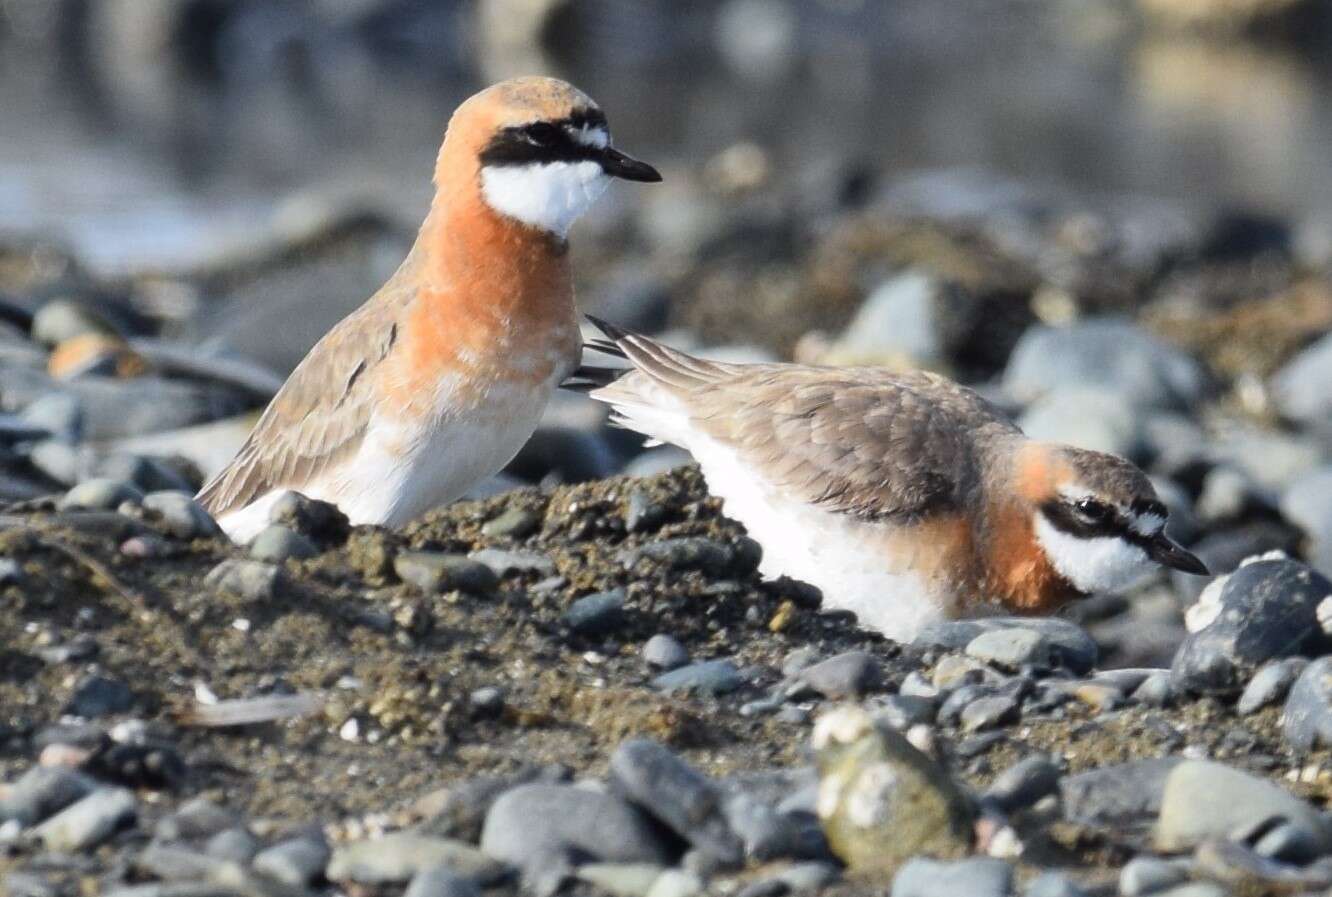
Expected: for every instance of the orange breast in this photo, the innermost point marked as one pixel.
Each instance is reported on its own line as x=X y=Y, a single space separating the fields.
x=1017 y=571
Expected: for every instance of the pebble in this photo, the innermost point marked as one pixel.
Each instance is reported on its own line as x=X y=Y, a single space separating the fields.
x=989 y=712
x=1307 y=503
x=147 y=473
x=234 y=845
x=1105 y=353
x=709 y=677
x=621 y=879
x=1290 y=844
x=529 y=821
x=57 y=459
x=434 y=572
x=99 y=494
x=59 y=414
x=1023 y=784
x=1157 y=690
x=503 y=563
x=1267 y=609
x=1203 y=799
x=1149 y=875
x=677 y=883
x=1088 y=417
x=440 y=881
x=674 y=792
x=687 y=553
x=1270 y=684
x=488 y=701
x=1196 y=889
x=902 y=711
x=277 y=543
x=768 y=834
x=99 y=696
x=459 y=811
x=249 y=579
x=41 y=792
x=847 y=675
x=1070 y=643
x=183 y=517
x=880 y=800
x=1053 y=884
x=399 y=856
x=89 y=821
x=600 y=613
x=1306 y=721
x=513 y=523
x=974 y=877
x=665 y=652
x=1300 y=388
x=319 y=521
x=1119 y=795
x=1012 y=648
x=297 y=861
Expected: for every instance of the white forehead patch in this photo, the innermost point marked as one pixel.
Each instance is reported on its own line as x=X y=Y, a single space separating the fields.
x=549 y=195
x=1099 y=564
x=594 y=136
x=1146 y=524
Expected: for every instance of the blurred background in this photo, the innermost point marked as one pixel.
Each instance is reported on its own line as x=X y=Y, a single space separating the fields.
x=1113 y=216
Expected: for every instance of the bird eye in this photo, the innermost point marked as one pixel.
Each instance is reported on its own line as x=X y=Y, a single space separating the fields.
x=1093 y=510
x=543 y=133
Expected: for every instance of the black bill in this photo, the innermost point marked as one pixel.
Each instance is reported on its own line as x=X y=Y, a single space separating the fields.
x=618 y=165
x=1165 y=552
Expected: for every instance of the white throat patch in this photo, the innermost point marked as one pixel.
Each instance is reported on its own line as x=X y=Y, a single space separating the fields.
x=1100 y=564
x=548 y=195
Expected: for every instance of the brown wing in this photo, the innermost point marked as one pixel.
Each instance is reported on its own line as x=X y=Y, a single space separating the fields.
x=318 y=417
x=861 y=441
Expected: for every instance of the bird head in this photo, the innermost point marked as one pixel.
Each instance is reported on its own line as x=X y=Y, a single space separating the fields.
x=538 y=149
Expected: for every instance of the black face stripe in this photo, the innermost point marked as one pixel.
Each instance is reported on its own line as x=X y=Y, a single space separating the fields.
x=1065 y=518
x=540 y=142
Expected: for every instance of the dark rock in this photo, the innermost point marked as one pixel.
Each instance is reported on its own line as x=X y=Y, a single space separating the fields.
x=319 y=521
x=532 y=820
x=989 y=712
x=598 y=614
x=1265 y=610
x=99 y=696
x=233 y=845
x=460 y=810
x=675 y=793
x=297 y=861
x=504 y=563
x=687 y=553
x=197 y=818
x=903 y=711
x=182 y=516
x=846 y=675
x=710 y=677
x=1121 y=795
x=1023 y=784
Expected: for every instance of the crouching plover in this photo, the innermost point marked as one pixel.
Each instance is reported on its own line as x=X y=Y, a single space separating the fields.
x=437 y=381
x=905 y=498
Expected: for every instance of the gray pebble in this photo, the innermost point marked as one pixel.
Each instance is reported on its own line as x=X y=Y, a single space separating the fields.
x=600 y=613
x=685 y=553
x=440 y=881
x=1023 y=784
x=1290 y=844
x=234 y=845
x=251 y=580
x=99 y=494
x=989 y=712
x=1205 y=800
x=1149 y=875
x=1270 y=684
x=1053 y=884
x=1012 y=648
x=89 y=821
x=903 y=711
x=532 y=820
x=675 y=793
x=1115 y=796
x=41 y=792
x=665 y=652
x=1300 y=388
x=59 y=414
x=62 y=319
x=197 y=818
x=1307 y=503
x=710 y=677
x=174 y=863
x=1070 y=643
x=975 y=877
x=58 y=459
x=297 y=861
x=487 y=701
x=276 y=543
x=504 y=563
x=1306 y=721
x=182 y=516
x=845 y=675
x=798 y=660
x=1156 y=690
x=397 y=857
x=434 y=572
x=803 y=878
x=1196 y=889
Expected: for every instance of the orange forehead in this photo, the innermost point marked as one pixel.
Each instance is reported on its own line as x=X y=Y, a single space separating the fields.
x=518 y=101
x=1040 y=471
